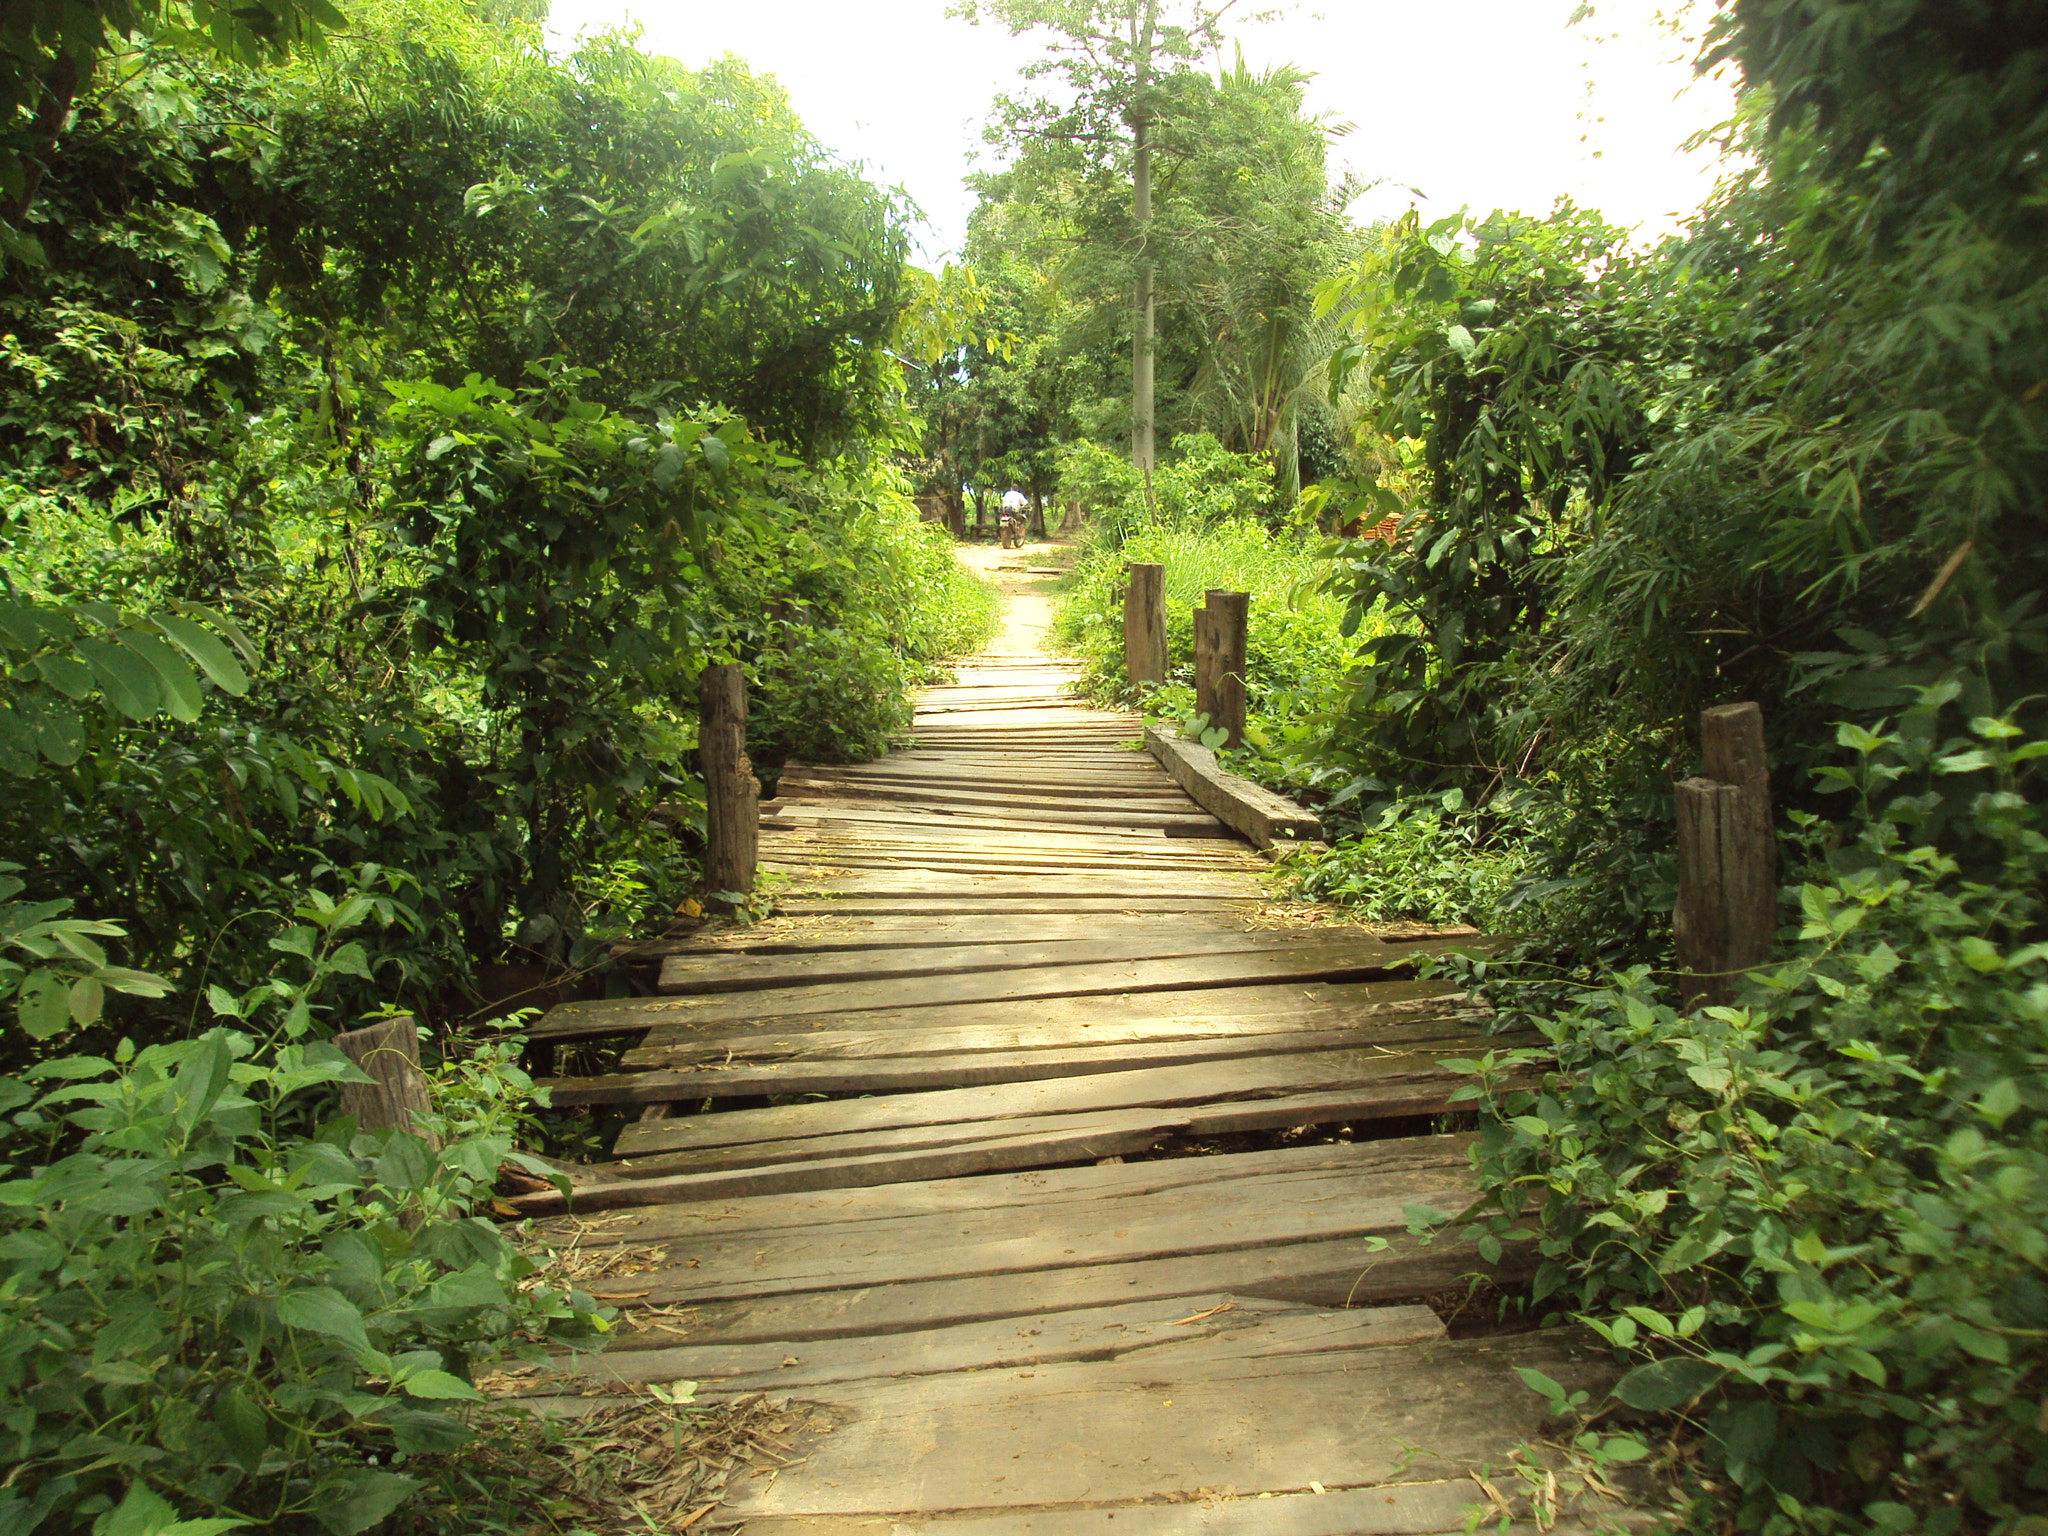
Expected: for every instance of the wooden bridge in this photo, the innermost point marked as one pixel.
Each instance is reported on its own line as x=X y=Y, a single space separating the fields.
x=1060 y=1171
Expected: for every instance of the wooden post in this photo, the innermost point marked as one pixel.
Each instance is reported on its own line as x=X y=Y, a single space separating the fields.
x=390 y=1053
x=1220 y=625
x=1145 y=624
x=1726 y=914
x=732 y=795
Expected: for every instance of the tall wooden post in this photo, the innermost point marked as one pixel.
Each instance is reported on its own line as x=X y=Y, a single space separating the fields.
x=1145 y=624
x=732 y=795
x=390 y=1053
x=1727 y=909
x=1220 y=625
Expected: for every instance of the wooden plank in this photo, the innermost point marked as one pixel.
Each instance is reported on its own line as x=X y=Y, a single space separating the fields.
x=837 y=1162
x=1400 y=1077
x=1026 y=1195
x=1155 y=1331
x=1120 y=1224
x=1341 y=1272
x=1347 y=960
x=1256 y=1006
x=1401 y=1508
x=817 y=932
x=682 y=974
x=1254 y=1015
x=1097 y=1432
x=737 y=1076
x=1027 y=903
x=1123 y=884
x=1255 y=811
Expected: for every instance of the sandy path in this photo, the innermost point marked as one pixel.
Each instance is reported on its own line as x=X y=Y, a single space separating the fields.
x=1028 y=602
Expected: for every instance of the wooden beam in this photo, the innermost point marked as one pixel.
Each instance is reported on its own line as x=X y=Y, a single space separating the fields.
x=1220 y=637
x=732 y=795
x=1725 y=916
x=1145 y=624
x=1249 y=809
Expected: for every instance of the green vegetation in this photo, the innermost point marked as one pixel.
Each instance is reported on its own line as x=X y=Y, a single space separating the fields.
x=395 y=417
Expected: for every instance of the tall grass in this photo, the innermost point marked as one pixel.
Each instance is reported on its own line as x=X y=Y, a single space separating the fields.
x=1294 y=652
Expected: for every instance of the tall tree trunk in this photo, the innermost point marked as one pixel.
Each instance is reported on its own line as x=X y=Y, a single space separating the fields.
x=1143 y=448
x=60 y=88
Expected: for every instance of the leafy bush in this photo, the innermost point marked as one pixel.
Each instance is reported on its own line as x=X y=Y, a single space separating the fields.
x=206 y=1317
x=1820 y=1219
x=1425 y=857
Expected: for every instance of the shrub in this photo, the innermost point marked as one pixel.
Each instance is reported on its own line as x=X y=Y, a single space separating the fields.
x=1820 y=1219
x=209 y=1320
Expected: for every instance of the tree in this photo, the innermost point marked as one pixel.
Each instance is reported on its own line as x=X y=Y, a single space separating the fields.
x=1109 y=54
x=50 y=50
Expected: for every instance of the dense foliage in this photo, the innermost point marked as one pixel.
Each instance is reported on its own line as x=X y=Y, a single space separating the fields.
x=390 y=431
x=368 y=514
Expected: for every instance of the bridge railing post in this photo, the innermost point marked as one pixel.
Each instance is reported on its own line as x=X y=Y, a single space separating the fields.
x=389 y=1051
x=1726 y=914
x=1220 y=629
x=732 y=795
x=1145 y=624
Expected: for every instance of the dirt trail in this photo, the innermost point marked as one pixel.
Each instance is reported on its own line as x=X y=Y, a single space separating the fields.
x=1028 y=603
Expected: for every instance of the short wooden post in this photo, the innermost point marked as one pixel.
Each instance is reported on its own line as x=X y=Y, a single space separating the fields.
x=1220 y=625
x=1145 y=624
x=1726 y=914
x=390 y=1053
x=732 y=795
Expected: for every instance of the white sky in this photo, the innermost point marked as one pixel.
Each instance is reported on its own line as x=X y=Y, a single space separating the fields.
x=1492 y=103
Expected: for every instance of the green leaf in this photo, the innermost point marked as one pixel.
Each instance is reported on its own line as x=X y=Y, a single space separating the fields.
x=1666 y=1384
x=245 y=1427
x=440 y=1386
x=214 y=659
x=180 y=686
x=67 y=674
x=1462 y=341
x=61 y=735
x=353 y=1501
x=128 y=682
x=323 y=1310
x=44 y=1004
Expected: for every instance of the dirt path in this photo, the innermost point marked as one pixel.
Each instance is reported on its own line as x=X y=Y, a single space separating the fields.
x=1027 y=603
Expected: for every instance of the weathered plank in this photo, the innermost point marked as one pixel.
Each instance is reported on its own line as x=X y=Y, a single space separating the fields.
x=736 y=1075
x=746 y=973
x=1112 y=1431
x=1134 y=1330
x=1399 y=1077
x=1026 y=1195
x=1119 y=1225
x=1255 y=811
x=1402 y=1508
x=1395 y=1009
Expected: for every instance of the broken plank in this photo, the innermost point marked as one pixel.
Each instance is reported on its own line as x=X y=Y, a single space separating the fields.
x=1153 y=1331
x=737 y=973
x=737 y=1076
x=1358 y=1081
x=1121 y=1223
x=1251 y=1013
x=1099 y=1432
x=1027 y=1195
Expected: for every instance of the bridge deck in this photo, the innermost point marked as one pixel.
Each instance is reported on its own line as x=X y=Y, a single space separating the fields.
x=1060 y=1172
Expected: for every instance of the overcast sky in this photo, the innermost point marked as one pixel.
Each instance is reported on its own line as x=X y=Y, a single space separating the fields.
x=1491 y=103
